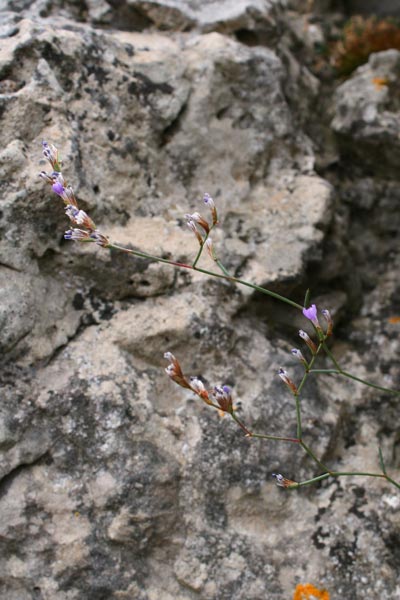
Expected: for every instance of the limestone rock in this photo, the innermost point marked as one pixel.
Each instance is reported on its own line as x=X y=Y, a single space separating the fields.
x=366 y=113
x=115 y=482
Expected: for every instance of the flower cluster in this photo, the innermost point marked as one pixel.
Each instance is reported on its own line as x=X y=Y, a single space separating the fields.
x=201 y=227
x=311 y=313
x=77 y=217
x=220 y=397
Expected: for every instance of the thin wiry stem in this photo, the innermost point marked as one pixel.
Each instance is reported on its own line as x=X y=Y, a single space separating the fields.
x=206 y=272
x=322 y=345
x=340 y=371
x=310 y=453
x=300 y=387
x=51 y=153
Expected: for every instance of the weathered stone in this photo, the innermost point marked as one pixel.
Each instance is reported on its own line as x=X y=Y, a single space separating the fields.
x=115 y=482
x=366 y=113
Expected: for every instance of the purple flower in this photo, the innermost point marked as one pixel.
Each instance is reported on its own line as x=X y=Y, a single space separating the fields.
x=58 y=188
x=311 y=314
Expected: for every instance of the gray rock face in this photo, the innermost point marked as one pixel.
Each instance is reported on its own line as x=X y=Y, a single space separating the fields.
x=366 y=111
x=115 y=483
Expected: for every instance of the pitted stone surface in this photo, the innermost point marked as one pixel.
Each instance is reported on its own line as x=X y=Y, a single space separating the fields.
x=115 y=483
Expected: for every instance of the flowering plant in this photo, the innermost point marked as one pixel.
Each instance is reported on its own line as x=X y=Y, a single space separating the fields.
x=220 y=397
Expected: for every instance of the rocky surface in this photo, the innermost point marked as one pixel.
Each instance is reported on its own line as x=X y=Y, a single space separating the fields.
x=115 y=483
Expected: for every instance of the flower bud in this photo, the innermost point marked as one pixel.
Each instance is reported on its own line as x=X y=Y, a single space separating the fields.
x=281 y=481
x=304 y=336
x=210 y=203
x=199 y=219
x=192 y=226
x=52 y=178
x=50 y=153
x=210 y=248
x=329 y=321
x=100 y=239
x=79 y=217
x=174 y=371
x=198 y=387
x=299 y=356
x=77 y=235
x=287 y=381
x=223 y=396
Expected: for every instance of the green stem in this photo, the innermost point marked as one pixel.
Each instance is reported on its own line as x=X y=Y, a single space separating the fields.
x=206 y=272
x=299 y=431
x=362 y=474
x=221 y=266
x=333 y=359
x=392 y=481
x=196 y=260
x=312 y=455
x=300 y=387
x=350 y=376
x=326 y=371
x=356 y=473
x=275 y=437
x=309 y=481
x=241 y=425
x=373 y=385
x=340 y=371
x=259 y=435
x=344 y=474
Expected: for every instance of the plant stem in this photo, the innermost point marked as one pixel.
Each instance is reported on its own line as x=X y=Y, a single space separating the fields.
x=259 y=435
x=355 y=473
x=344 y=474
x=221 y=266
x=309 y=481
x=340 y=371
x=206 y=272
x=241 y=425
x=368 y=383
x=275 y=437
x=196 y=260
x=300 y=387
x=312 y=455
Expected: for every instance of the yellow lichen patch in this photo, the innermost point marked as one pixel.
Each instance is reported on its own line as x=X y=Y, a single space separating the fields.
x=307 y=591
x=380 y=82
x=394 y=320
